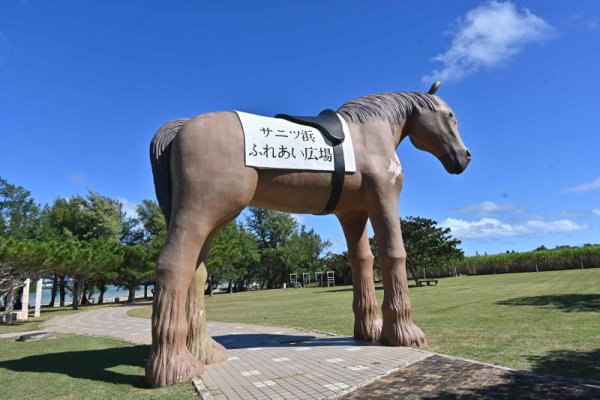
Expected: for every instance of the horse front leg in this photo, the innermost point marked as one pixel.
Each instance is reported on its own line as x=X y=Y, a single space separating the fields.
x=367 y=324
x=398 y=328
x=199 y=342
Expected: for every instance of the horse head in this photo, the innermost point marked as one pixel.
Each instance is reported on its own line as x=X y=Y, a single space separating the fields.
x=437 y=133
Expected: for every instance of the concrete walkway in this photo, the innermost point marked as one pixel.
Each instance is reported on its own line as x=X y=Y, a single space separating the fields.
x=285 y=363
x=264 y=362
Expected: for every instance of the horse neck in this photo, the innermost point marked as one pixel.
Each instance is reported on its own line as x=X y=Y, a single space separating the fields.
x=400 y=132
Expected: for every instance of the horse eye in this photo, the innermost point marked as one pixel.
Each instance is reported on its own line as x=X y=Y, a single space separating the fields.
x=450 y=115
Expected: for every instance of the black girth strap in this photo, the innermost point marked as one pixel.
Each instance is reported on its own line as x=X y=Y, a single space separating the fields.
x=331 y=127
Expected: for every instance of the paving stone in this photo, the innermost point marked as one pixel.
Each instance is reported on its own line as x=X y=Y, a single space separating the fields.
x=440 y=377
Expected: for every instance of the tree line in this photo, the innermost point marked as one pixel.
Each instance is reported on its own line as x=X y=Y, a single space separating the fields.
x=429 y=251
x=86 y=243
x=541 y=259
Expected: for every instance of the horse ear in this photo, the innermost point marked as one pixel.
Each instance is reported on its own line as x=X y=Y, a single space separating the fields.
x=434 y=87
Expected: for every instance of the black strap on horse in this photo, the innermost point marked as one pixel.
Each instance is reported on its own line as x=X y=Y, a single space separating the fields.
x=328 y=123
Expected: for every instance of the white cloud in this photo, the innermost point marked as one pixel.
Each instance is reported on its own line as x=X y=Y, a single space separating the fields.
x=488 y=208
x=579 y=19
x=584 y=187
x=128 y=207
x=300 y=219
x=596 y=211
x=558 y=226
x=490 y=227
x=571 y=214
x=338 y=245
x=487 y=36
x=78 y=177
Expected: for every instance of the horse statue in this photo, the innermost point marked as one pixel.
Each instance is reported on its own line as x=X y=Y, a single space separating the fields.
x=202 y=183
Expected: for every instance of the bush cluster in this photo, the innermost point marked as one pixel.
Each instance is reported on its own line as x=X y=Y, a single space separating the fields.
x=541 y=260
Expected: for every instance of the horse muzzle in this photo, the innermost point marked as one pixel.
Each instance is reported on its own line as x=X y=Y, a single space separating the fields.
x=455 y=162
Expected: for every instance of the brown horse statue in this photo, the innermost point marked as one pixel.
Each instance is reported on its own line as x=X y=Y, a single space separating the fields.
x=202 y=183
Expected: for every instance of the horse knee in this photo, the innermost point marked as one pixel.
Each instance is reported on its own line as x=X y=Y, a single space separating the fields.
x=393 y=258
x=176 y=264
x=363 y=259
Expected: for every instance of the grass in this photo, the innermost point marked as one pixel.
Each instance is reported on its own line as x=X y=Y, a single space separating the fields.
x=76 y=367
x=541 y=322
x=545 y=322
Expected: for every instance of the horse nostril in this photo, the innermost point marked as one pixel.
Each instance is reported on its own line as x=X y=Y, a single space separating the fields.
x=468 y=154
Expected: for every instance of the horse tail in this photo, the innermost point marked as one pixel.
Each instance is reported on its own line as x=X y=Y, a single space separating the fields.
x=160 y=155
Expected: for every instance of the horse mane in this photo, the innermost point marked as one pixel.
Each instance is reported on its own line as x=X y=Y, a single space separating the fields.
x=392 y=107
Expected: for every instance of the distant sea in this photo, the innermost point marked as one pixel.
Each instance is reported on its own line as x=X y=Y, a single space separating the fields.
x=111 y=292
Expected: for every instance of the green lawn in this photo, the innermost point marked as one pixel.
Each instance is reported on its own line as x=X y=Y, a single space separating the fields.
x=75 y=367
x=78 y=367
x=547 y=322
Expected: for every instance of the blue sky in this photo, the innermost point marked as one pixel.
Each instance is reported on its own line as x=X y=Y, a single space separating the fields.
x=84 y=86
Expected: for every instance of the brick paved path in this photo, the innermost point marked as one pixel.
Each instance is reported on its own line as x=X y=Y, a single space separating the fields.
x=285 y=363
x=264 y=362
x=439 y=377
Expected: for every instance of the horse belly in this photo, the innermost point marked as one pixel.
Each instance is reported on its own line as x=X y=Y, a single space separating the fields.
x=295 y=192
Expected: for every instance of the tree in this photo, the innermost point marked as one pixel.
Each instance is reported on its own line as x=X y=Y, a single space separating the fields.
x=340 y=265
x=373 y=246
x=69 y=255
x=284 y=246
x=273 y=231
x=152 y=221
x=428 y=247
x=144 y=238
x=18 y=212
x=225 y=254
x=303 y=252
x=84 y=218
x=19 y=259
x=90 y=227
x=249 y=264
x=136 y=267
x=10 y=274
x=19 y=254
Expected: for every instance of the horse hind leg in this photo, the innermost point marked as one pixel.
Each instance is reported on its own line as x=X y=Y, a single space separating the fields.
x=170 y=361
x=199 y=342
x=367 y=323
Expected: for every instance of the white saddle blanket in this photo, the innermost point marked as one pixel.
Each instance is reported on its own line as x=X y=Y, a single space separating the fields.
x=279 y=144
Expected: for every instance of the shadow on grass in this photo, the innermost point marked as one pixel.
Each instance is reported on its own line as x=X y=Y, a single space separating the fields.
x=92 y=365
x=562 y=302
x=574 y=364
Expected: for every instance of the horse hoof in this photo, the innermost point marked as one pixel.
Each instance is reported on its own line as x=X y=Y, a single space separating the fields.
x=212 y=352
x=370 y=331
x=402 y=334
x=163 y=371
